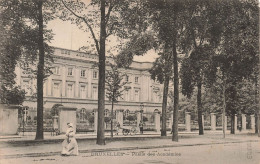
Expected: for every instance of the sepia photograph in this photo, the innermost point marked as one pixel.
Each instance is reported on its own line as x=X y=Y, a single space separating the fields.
x=129 y=82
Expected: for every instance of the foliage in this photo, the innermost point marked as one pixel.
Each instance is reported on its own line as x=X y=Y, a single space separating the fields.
x=107 y=119
x=54 y=109
x=19 y=41
x=12 y=96
x=131 y=117
x=114 y=83
x=91 y=119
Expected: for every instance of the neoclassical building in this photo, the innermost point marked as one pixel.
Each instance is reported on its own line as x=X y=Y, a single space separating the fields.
x=74 y=83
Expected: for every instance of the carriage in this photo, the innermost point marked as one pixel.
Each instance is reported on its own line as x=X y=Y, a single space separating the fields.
x=129 y=130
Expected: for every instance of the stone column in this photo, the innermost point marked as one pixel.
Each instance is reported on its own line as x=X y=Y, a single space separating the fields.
x=235 y=128
x=138 y=118
x=8 y=119
x=252 y=123
x=157 y=121
x=187 y=121
x=95 y=120
x=171 y=120
x=66 y=115
x=119 y=116
x=213 y=121
x=243 y=122
x=202 y=117
x=55 y=122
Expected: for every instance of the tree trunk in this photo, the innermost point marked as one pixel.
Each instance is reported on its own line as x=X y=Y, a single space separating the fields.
x=112 y=118
x=40 y=75
x=164 y=104
x=199 y=104
x=232 y=130
x=256 y=123
x=224 y=109
x=101 y=78
x=176 y=94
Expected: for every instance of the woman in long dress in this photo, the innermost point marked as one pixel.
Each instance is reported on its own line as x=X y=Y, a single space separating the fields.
x=70 y=145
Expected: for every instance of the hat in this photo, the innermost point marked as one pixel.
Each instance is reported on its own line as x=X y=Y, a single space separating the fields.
x=70 y=124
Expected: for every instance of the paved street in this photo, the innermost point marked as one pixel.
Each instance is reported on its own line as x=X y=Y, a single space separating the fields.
x=239 y=153
x=191 y=148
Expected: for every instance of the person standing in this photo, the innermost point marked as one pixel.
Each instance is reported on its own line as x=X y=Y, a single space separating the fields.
x=70 y=145
x=141 y=127
x=117 y=128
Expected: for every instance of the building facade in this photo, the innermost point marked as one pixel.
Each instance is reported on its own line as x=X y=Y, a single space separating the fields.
x=74 y=83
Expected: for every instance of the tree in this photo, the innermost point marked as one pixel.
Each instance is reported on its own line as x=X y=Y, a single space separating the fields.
x=24 y=22
x=236 y=44
x=161 y=71
x=119 y=20
x=168 y=20
x=114 y=87
x=192 y=74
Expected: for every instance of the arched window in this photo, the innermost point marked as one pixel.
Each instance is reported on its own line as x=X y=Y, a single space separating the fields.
x=82 y=115
x=107 y=113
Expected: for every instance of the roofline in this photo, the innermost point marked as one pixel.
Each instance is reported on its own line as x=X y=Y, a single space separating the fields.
x=90 y=54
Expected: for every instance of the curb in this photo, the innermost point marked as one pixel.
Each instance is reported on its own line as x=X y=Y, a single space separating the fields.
x=118 y=149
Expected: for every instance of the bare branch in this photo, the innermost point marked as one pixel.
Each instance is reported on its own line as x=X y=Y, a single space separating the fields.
x=109 y=11
x=85 y=20
x=111 y=29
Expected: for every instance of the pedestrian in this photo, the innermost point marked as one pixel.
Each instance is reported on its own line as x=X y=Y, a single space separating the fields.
x=141 y=127
x=117 y=128
x=70 y=145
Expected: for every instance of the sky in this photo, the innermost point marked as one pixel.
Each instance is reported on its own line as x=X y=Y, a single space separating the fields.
x=67 y=35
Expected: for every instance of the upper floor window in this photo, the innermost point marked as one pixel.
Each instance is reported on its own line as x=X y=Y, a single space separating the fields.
x=127 y=78
x=56 y=90
x=94 y=92
x=26 y=87
x=95 y=74
x=70 y=91
x=83 y=73
x=137 y=95
x=127 y=95
x=65 y=52
x=83 y=92
x=56 y=70
x=70 y=71
x=136 y=79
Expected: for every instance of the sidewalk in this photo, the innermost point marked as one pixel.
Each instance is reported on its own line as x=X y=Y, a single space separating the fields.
x=26 y=146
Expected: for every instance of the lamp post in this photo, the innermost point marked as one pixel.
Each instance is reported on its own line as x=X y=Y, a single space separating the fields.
x=141 y=111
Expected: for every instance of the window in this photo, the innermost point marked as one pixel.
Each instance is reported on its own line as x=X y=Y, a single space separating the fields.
x=83 y=73
x=137 y=95
x=82 y=92
x=26 y=87
x=82 y=115
x=56 y=90
x=70 y=91
x=127 y=95
x=56 y=70
x=95 y=74
x=95 y=92
x=155 y=97
x=70 y=71
x=136 y=79
x=127 y=78
x=127 y=112
x=106 y=113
